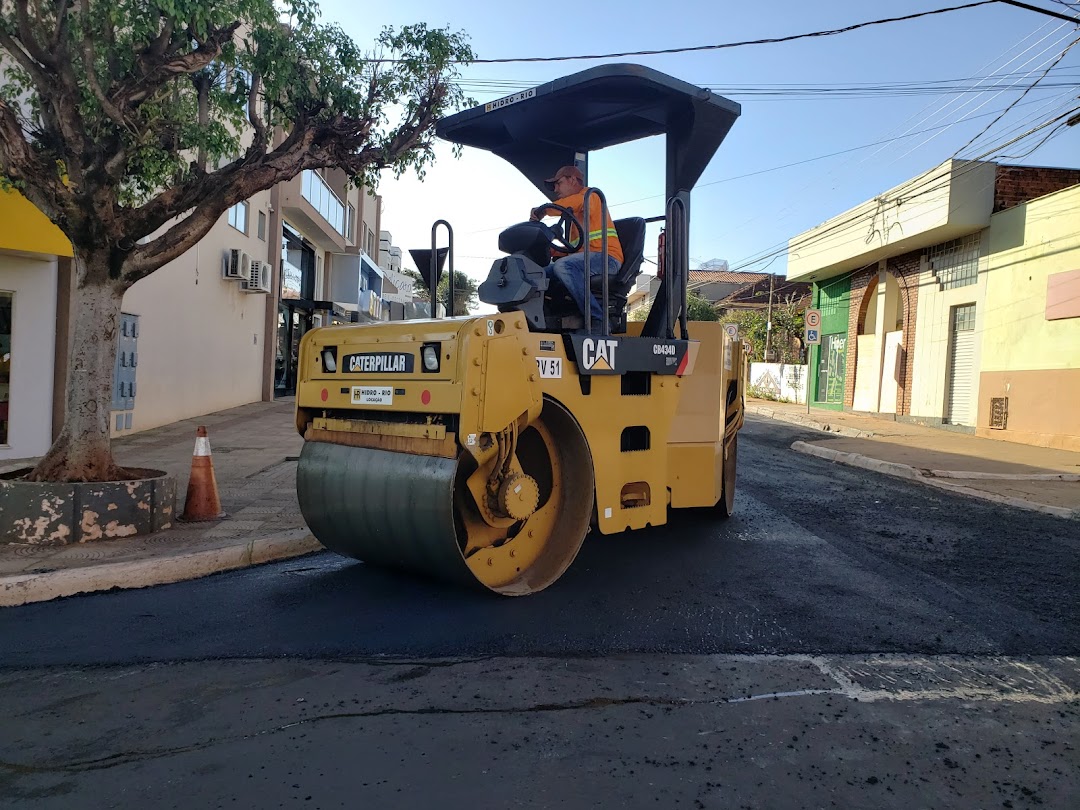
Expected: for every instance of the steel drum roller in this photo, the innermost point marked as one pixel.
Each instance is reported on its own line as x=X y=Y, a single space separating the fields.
x=423 y=514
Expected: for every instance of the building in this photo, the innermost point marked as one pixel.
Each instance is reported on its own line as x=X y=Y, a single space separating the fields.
x=216 y=328
x=950 y=300
x=716 y=283
x=34 y=257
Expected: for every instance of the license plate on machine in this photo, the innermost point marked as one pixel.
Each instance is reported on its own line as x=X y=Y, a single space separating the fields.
x=367 y=395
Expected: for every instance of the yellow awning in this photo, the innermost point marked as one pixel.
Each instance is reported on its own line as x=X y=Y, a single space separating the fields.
x=25 y=229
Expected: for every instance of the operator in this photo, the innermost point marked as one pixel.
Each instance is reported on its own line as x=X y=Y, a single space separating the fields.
x=569 y=269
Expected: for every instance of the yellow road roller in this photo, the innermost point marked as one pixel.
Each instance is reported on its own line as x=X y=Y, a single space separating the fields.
x=482 y=449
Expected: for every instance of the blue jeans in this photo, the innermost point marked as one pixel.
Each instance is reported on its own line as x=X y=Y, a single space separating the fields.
x=570 y=272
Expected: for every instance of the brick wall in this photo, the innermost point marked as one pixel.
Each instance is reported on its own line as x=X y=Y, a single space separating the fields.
x=863 y=285
x=1014 y=185
x=906 y=269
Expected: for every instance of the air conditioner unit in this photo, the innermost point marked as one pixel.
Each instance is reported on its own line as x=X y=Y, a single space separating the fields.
x=259 y=275
x=236 y=265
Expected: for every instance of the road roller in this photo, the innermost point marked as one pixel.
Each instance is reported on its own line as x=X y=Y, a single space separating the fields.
x=483 y=449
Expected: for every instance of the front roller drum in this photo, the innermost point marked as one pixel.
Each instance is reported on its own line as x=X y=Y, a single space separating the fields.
x=418 y=514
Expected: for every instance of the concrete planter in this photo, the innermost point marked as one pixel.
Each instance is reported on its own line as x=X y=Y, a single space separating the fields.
x=42 y=514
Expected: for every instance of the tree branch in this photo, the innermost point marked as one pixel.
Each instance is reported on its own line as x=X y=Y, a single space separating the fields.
x=254 y=118
x=28 y=36
x=156 y=72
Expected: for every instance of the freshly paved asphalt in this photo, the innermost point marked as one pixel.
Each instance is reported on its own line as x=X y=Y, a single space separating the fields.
x=819 y=558
x=847 y=640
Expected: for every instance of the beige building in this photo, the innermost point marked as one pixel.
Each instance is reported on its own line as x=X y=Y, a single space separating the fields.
x=1029 y=374
x=217 y=328
x=946 y=300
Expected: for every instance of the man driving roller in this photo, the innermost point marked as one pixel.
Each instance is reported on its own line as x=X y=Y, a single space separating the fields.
x=569 y=269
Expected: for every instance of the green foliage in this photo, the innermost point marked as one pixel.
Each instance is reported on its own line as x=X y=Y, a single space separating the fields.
x=464 y=292
x=638 y=314
x=699 y=308
x=787 y=332
x=162 y=85
x=465 y=288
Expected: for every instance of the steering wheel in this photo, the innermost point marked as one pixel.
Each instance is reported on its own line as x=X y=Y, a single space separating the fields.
x=558 y=237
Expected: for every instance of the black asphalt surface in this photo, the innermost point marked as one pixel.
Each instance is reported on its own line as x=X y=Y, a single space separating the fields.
x=819 y=558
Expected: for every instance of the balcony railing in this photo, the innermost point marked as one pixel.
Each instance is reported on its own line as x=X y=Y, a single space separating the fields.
x=324 y=200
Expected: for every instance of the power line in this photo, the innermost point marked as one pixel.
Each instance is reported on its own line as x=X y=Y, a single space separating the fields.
x=1031 y=87
x=721 y=46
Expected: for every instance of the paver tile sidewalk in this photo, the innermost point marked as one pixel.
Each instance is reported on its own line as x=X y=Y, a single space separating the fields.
x=1011 y=471
x=254 y=448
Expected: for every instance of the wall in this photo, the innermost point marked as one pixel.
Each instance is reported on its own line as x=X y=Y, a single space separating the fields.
x=931 y=353
x=1014 y=185
x=201 y=339
x=784 y=381
x=1033 y=361
x=33 y=281
x=902 y=283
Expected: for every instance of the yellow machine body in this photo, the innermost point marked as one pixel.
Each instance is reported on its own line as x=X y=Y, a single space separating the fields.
x=650 y=440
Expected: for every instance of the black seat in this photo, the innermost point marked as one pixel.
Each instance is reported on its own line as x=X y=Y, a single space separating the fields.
x=559 y=304
x=631 y=233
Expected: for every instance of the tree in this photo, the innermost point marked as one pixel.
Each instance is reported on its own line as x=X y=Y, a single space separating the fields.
x=699 y=308
x=465 y=288
x=135 y=125
x=787 y=331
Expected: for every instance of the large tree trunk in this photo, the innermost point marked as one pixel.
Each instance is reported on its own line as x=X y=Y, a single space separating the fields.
x=82 y=451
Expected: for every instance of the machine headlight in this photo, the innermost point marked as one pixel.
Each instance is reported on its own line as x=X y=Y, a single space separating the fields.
x=329 y=359
x=430 y=355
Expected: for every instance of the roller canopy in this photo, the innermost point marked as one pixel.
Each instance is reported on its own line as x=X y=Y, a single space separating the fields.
x=559 y=123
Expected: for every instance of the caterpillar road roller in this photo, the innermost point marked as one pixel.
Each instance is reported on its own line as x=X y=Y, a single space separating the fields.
x=483 y=450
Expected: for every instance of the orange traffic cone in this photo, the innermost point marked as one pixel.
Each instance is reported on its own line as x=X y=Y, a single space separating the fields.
x=202 y=501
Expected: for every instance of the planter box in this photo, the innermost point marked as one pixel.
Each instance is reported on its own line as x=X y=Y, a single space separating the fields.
x=42 y=514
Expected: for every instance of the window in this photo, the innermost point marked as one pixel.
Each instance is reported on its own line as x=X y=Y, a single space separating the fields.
x=350 y=223
x=369 y=241
x=238 y=216
x=6 y=301
x=262 y=225
x=956 y=263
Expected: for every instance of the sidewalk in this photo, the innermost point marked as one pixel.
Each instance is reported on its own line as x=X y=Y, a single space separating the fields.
x=1035 y=478
x=254 y=451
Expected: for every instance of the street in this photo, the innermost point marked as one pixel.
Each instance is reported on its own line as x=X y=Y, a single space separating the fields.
x=847 y=639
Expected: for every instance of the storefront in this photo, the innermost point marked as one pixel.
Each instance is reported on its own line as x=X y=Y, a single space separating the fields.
x=828 y=362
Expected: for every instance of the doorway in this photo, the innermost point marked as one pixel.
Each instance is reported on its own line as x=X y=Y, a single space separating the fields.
x=832 y=369
x=961 y=366
x=293 y=322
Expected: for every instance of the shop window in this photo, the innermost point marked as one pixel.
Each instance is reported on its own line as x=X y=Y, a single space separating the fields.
x=6 y=306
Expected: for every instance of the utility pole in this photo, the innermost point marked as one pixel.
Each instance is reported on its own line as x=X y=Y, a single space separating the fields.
x=768 y=320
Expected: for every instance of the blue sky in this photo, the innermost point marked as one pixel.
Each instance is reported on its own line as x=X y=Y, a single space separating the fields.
x=742 y=219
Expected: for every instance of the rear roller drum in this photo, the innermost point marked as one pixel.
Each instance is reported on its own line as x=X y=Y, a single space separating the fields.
x=514 y=533
x=727 y=502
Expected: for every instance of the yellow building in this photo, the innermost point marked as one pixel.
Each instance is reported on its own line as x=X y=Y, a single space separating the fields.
x=1029 y=382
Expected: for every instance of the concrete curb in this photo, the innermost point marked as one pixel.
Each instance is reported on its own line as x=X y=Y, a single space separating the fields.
x=23 y=589
x=913 y=474
x=796 y=419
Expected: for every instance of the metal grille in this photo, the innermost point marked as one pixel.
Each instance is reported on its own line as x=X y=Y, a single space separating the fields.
x=956 y=263
x=999 y=412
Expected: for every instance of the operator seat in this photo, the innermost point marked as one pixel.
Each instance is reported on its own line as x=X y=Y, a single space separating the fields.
x=631 y=231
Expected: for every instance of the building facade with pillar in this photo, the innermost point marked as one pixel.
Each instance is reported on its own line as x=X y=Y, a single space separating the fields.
x=917 y=300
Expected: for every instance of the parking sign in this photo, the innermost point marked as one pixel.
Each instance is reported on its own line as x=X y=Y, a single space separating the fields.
x=813 y=337
x=812 y=318
x=732 y=330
